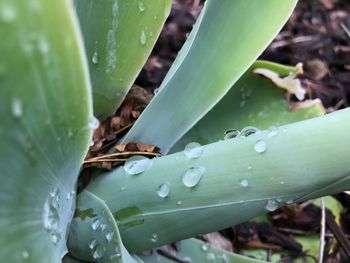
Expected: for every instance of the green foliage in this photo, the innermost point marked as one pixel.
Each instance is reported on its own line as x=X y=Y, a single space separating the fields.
x=46 y=113
x=45 y=107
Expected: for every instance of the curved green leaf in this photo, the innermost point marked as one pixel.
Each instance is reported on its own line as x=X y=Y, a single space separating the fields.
x=45 y=106
x=252 y=101
x=194 y=250
x=302 y=160
x=119 y=36
x=226 y=40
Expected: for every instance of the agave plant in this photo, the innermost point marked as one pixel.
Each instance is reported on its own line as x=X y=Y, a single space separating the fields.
x=53 y=78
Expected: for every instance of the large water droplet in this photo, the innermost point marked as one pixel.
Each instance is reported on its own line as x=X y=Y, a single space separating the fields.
x=98 y=251
x=16 y=108
x=95 y=224
x=273 y=131
x=142 y=7
x=244 y=183
x=143 y=38
x=192 y=176
x=8 y=12
x=271 y=205
x=193 y=150
x=93 y=123
x=232 y=133
x=94 y=58
x=260 y=146
x=109 y=236
x=137 y=165
x=248 y=131
x=164 y=190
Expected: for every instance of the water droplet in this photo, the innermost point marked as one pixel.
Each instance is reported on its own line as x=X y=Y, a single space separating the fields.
x=109 y=236
x=279 y=199
x=16 y=108
x=51 y=217
x=248 y=131
x=179 y=203
x=260 y=146
x=93 y=123
x=271 y=205
x=98 y=252
x=204 y=247
x=244 y=183
x=211 y=257
x=44 y=45
x=273 y=131
x=8 y=12
x=156 y=91
x=192 y=176
x=137 y=164
x=164 y=190
x=116 y=257
x=94 y=58
x=92 y=244
x=25 y=254
x=141 y=7
x=224 y=258
x=187 y=260
x=95 y=224
x=282 y=182
x=290 y=201
x=154 y=237
x=103 y=226
x=230 y=134
x=193 y=150
x=143 y=38
x=122 y=188
x=242 y=104
x=250 y=167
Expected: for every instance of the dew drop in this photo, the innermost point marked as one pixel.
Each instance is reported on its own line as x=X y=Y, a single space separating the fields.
x=95 y=224
x=230 y=134
x=103 y=226
x=179 y=203
x=192 y=176
x=92 y=244
x=94 y=58
x=279 y=199
x=16 y=108
x=109 y=236
x=51 y=217
x=244 y=183
x=260 y=146
x=142 y=7
x=242 y=104
x=154 y=237
x=250 y=167
x=93 y=123
x=281 y=182
x=248 y=131
x=271 y=205
x=164 y=190
x=137 y=164
x=224 y=258
x=290 y=201
x=122 y=188
x=116 y=257
x=25 y=254
x=193 y=150
x=211 y=257
x=187 y=260
x=98 y=252
x=204 y=247
x=44 y=45
x=273 y=131
x=155 y=92
x=143 y=38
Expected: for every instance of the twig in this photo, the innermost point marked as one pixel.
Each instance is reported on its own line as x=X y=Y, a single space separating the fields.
x=347 y=31
x=106 y=156
x=323 y=230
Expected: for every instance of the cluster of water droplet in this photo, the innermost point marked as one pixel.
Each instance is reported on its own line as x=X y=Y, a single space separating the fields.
x=51 y=216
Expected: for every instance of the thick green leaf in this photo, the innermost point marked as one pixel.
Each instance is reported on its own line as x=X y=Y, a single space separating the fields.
x=45 y=106
x=119 y=36
x=302 y=160
x=252 y=101
x=95 y=235
x=194 y=250
x=226 y=40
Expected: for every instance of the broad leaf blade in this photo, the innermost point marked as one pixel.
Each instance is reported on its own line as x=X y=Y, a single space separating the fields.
x=226 y=40
x=45 y=106
x=304 y=160
x=119 y=36
x=252 y=101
